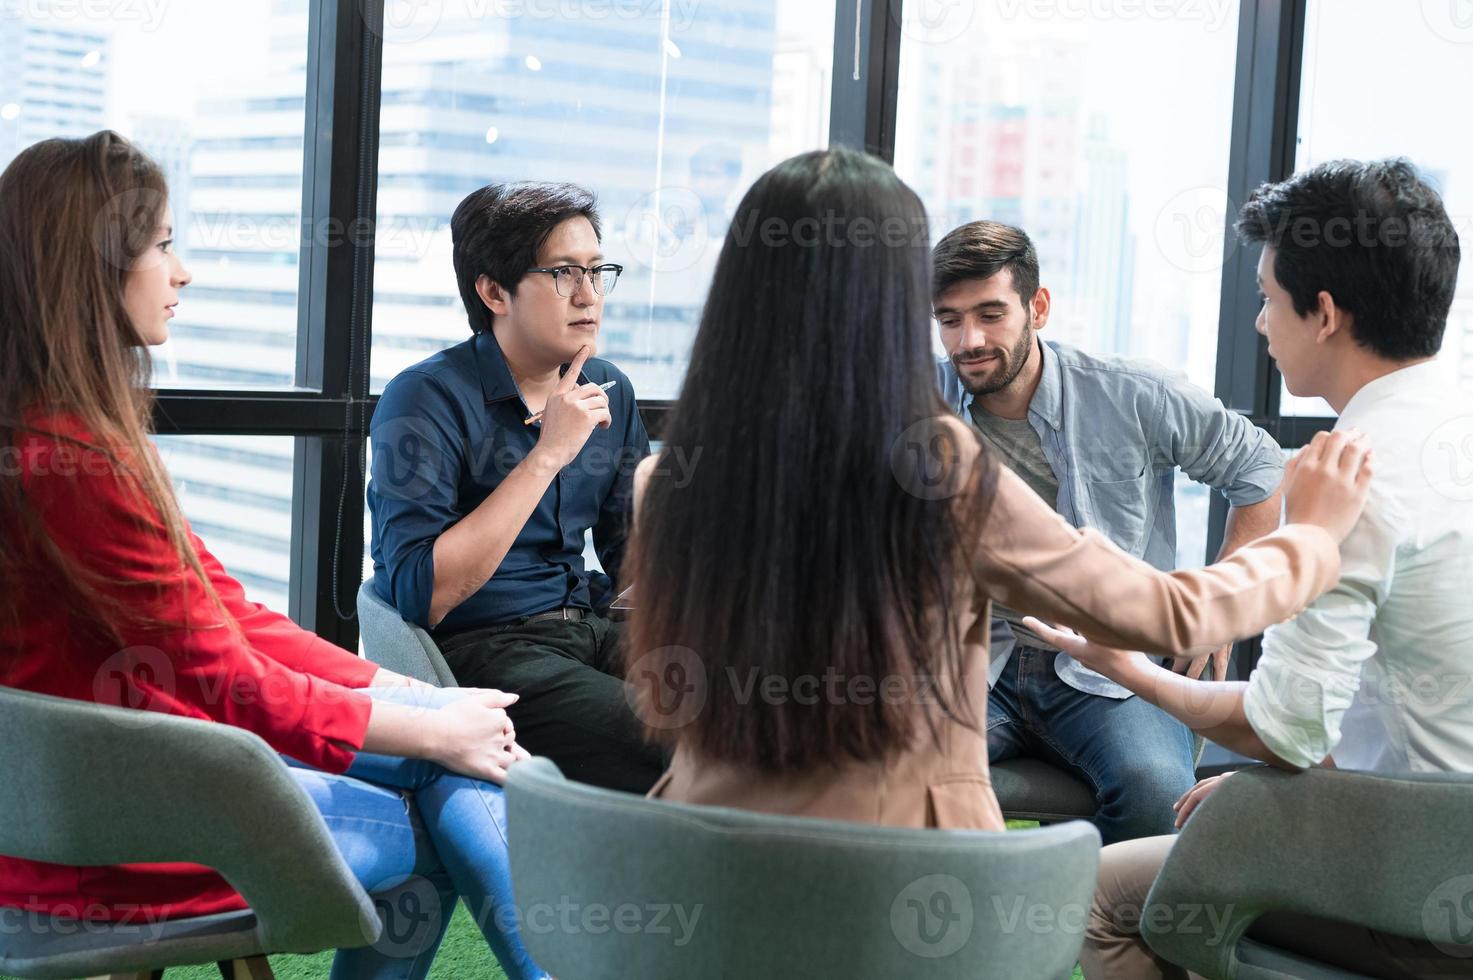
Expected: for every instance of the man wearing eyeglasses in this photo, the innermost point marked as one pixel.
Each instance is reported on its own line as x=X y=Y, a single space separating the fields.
x=492 y=461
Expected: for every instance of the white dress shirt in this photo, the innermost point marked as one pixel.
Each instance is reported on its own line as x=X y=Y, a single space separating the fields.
x=1379 y=670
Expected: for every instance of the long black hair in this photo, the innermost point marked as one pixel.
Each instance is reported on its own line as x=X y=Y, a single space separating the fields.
x=804 y=543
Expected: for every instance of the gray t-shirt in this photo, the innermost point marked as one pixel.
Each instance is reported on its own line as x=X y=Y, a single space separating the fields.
x=1017 y=444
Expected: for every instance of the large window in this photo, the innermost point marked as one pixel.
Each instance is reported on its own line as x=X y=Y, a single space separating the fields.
x=1102 y=134
x=225 y=122
x=245 y=521
x=667 y=111
x=1059 y=121
x=1106 y=130
x=1395 y=104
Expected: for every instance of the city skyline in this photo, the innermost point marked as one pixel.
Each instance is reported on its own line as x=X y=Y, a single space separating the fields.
x=1030 y=121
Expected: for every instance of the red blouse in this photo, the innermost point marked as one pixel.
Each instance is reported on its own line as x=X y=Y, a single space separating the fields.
x=249 y=667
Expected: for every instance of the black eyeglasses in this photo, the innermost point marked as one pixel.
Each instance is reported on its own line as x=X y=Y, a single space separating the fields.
x=568 y=279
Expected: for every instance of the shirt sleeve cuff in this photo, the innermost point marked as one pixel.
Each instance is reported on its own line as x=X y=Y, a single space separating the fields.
x=1281 y=734
x=342 y=667
x=335 y=725
x=1256 y=487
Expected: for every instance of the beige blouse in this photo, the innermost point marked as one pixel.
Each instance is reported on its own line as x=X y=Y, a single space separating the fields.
x=1034 y=561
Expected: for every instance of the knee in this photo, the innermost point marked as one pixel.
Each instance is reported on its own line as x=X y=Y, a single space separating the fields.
x=1140 y=798
x=1111 y=921
x=1127 y=872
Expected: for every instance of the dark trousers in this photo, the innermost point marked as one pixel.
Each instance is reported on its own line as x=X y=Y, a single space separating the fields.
x=572 y=706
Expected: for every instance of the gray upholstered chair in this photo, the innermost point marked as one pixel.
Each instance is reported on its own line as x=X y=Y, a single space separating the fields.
x=1390 y=853
x=612 y=885
x=88 y=784
x=1031 y=789
x=392 y=642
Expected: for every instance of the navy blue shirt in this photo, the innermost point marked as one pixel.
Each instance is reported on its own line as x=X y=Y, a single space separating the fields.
x=445 y=434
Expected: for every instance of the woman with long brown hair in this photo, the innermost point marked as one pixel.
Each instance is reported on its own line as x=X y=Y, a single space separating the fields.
x=813 y=597
x=106 y=595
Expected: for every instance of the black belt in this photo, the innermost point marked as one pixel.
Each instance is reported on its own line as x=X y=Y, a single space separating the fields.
x=570 y=613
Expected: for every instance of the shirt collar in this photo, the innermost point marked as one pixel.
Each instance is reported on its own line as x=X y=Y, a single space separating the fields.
x=1417 y=376
x=496 y=380
x=1048 y=399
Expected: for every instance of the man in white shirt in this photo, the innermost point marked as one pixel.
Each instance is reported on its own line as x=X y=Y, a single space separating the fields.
x=1358 y=273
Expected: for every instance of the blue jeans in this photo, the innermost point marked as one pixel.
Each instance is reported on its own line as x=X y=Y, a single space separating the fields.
x=416 y=836
x=1137 y=758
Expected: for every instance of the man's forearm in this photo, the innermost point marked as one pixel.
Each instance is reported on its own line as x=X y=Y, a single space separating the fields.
x=467 y=554
x=1212 y=709
x=1251 y=522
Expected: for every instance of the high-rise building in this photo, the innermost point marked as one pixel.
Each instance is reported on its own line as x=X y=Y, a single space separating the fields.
x=169 y=140
x=990 y=137
x=54 y=82
x=667 y=122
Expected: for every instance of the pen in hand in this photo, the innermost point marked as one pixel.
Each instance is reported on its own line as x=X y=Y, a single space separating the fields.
x=538 y=416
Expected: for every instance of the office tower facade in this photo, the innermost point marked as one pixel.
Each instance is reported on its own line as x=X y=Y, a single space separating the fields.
x=666 y=119
x=55 y=79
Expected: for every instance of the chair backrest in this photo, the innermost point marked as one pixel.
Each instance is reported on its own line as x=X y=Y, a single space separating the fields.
x=392 y=642
x=90 y=784
x=1389 y=852
x=612 y=885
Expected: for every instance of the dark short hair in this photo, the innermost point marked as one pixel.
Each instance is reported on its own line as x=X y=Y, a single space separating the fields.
x=1376 y=237
x=981 y=250
x=497 y=231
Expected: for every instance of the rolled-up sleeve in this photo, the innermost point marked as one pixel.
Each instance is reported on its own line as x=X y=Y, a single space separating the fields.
x=412 y=493
x=1216 y=446
x=1311 y=667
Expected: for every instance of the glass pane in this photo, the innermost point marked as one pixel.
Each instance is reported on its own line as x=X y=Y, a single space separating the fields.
x=1193 y=501
x=236 y=492
x=667 y=112
x=1104 y=135
x=223 y=115
x=1396 y=107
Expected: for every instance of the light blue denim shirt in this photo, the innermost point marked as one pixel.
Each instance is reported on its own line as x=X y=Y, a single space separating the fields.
x=1115 y=431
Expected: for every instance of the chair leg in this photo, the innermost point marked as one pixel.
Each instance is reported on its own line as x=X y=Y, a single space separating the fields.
x=250 y=968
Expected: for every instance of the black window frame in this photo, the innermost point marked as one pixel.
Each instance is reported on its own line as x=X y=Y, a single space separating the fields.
x=327 y=411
